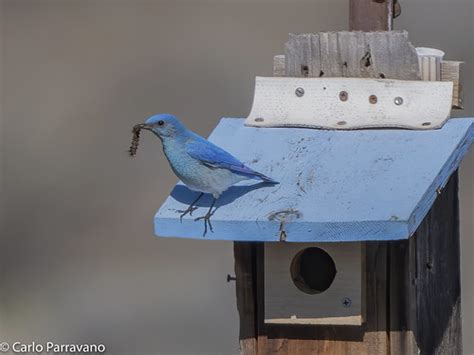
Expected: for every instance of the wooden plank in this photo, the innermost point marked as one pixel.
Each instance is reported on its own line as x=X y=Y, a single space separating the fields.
x=244 y=256
x=352 y=54
x=438 y=276
x=424 y=274
x=404 y=104
x=370 y=15
x=279 y=65
x=285 y=303
x=376 y=272
x=402 y=290
x=451 y=71
x=357 y=180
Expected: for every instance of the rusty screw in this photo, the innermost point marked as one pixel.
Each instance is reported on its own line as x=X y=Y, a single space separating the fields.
x=373 y=99
x=343 y=96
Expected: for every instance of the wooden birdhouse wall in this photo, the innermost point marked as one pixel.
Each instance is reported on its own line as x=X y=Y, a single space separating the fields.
x=412 y=295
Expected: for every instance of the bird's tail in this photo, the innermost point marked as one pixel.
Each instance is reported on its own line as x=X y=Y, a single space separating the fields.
x=265 y=178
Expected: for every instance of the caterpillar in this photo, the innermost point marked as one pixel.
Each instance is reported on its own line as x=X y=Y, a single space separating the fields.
x=132 y=151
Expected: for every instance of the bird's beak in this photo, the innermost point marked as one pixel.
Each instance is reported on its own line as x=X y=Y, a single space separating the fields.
x=142 y=126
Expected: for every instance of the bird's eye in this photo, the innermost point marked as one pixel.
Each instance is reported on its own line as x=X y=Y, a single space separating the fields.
x=161 y=123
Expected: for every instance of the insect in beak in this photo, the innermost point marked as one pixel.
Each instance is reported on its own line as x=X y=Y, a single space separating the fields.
x=136 y=137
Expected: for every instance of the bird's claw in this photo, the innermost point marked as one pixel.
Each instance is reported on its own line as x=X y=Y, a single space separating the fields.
x=188 y=210
x=207 y=221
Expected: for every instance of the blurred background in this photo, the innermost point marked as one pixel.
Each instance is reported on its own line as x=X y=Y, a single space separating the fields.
x=79 y=261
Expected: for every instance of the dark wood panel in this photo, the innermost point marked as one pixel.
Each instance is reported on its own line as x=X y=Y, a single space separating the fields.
x=438 y=276
x=371 y=15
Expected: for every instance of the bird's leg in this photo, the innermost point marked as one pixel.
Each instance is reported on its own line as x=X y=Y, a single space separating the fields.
x=207 y=217
x=190 y=209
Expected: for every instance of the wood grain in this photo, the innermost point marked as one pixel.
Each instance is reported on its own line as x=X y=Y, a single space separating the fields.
x=352 y=54
x=450 y=71
x=245 y=286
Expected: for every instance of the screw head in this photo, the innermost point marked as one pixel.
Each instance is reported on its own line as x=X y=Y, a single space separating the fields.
x=346 y=302
x=373 y=99
x=398 y=101
x=299 y=92
x=343 y=96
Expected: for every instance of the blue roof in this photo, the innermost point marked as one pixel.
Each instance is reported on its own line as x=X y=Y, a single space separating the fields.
x=334 y=185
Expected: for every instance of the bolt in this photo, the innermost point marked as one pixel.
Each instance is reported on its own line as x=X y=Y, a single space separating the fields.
x=346 y=302
x=398 y=101
x=231 y=278
x=299 y=92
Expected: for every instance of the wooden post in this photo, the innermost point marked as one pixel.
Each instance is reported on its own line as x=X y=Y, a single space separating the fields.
x=371 y=15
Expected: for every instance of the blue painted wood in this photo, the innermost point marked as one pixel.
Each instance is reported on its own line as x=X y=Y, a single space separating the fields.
x=334 y=185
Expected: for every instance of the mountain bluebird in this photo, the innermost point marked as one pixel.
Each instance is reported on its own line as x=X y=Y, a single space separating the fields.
x=201 y=165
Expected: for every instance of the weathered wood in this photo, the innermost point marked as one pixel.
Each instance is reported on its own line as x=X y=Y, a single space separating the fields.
x=421 y=105
x=279 y=65
x=425 y=282
x=246 y=292
x=370 y=15
x=376 y=271
x=438 y=283
x=402 y=295
x=450 y=71
x=352 y=54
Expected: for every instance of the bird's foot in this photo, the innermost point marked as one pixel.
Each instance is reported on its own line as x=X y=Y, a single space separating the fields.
x=207 y=221
x=188 y=210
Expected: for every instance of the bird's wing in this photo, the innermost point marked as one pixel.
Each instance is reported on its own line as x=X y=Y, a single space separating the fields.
x=215 y=157
x=211 y=155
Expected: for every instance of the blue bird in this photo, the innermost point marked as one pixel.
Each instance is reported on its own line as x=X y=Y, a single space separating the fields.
x=199 y=164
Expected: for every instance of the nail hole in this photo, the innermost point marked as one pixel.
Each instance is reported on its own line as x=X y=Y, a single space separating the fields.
x=321 y=73
x=373 y=99
x=345 y=64
x=366 y=60
x=426 y=124
x=382 y=75
x=341 y=123
x=304 y=70
x=259 y=119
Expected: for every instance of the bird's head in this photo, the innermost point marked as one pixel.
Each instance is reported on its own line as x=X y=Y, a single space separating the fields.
x=164 y=125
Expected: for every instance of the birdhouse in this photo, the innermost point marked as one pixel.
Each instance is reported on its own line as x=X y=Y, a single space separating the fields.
x=357 y=249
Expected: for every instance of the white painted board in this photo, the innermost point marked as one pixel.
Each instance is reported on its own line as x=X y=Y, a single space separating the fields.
x=286 y=304
x=321 y=103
